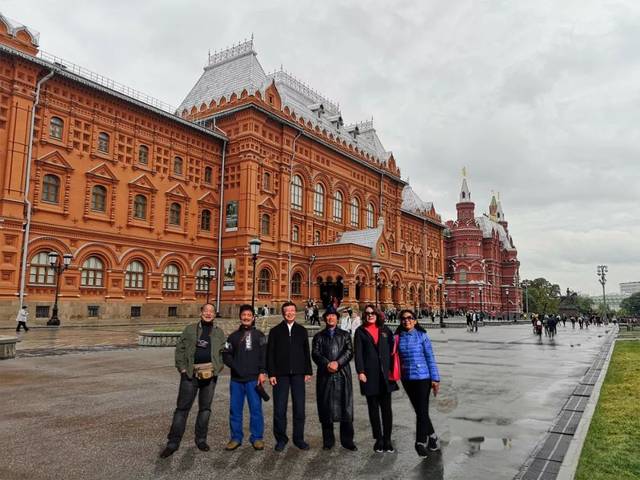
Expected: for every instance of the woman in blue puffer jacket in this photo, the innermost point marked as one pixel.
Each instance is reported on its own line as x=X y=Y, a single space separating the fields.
x=419 y=374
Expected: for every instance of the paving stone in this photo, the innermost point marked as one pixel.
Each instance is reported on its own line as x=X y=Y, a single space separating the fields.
x=583 y=390
x=555 y=447
x=567 y=423
x=576 y=403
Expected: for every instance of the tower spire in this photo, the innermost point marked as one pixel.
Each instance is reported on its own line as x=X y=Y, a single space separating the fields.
x=465 y=193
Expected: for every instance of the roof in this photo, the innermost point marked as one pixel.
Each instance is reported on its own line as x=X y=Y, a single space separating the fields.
x=237 y=69
x=14 y=27
x=411 y=202
x=489 y=226
x=367 y=238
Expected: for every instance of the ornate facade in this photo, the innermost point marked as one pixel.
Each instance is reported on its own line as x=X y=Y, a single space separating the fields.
x=482 y=267
x=139 y=195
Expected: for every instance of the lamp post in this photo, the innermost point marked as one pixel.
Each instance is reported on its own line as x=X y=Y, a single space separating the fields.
x=254 y=247
x=209 y=274
x=376 y=272
x=525 y=285
x=481 y=306
x=58 y=267
x=311 y=260
x=440 y=282
x=506 y=292
x=445 y=293
x=602 y=273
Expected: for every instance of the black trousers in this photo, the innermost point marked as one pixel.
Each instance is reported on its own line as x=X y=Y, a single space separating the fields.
x=346 y=434
x=380 y=405
x=189 y=389
x=418 y=392
x=295 y=383
x=23 y=325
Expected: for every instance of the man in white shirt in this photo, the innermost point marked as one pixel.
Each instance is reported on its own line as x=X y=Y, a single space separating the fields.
x=21 y=318
x=350 y=322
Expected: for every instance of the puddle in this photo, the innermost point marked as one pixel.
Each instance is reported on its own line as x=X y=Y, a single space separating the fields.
x=476 y=444
x=494 y=420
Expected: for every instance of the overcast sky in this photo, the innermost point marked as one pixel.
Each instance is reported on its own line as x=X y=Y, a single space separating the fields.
x=540 y=100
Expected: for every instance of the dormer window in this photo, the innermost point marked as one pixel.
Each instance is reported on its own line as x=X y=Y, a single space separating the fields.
x=354 y=132
x=336 y=121
x=318 y=109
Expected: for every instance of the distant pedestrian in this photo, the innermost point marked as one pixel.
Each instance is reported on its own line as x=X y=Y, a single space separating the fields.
x=21 y=319
x=350 y=322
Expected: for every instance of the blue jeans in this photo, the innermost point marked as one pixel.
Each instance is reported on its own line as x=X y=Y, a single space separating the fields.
x=238 y=392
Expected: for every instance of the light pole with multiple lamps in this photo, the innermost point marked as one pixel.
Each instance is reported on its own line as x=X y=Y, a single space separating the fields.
x=376 y=272
x=440 y=295
x=254 y=247
x=311 y=260
x=58 y=267
x=209 y=274
x=602 y=273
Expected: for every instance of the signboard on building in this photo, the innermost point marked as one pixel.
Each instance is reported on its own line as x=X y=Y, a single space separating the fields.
x=229 y=274
x=232 y=216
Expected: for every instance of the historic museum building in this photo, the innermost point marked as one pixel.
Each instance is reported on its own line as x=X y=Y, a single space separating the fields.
x=482 y=267
x=131 y=194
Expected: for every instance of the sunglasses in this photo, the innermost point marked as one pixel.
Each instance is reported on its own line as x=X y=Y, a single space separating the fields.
x=407 y=318
x=369 y=313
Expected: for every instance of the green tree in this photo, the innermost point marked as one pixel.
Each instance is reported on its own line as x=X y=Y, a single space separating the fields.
x=544 y=296
x=584 y=304
x=631 y=305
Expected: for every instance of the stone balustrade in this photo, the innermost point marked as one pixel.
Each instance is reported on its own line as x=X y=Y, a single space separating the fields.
x=149 y=338
x=8 y=347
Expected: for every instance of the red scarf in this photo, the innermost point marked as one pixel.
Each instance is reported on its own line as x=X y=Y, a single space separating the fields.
x=373 y=330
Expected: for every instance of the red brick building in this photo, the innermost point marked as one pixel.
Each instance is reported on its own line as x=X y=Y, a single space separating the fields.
x=482 y=267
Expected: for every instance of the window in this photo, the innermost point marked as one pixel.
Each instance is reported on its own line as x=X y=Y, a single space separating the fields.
x=463 y=276
x=93 y=311
x=265 y=224
x=99 y=199
x=175 y=212
x=92 y=273
x=355 y=212
x=208 y=175
x=201 y=279
x=56 y=126
x=318 y=200
x=140 y=207
x=134 y=276
x=171 y=277
x=42 y=311
x=172 y=311
x=264 y=281
x=337 y=207
x=40 y=272
x=370 y=215
x=143 y=155
x=296 y=284
x=266 y=181
x=177 y=166
x=136 y=311
x=296 y=193
x=295 y=234
x=50 y=189
x=316 y=237
x=205 y=220
x=103 y=142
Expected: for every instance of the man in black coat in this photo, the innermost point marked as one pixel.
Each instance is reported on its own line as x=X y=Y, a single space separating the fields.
x=332 y=350
x=288 y=367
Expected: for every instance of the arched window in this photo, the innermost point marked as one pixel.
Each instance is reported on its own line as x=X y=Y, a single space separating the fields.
x=103 y=142
x=175 y=212
x=205 y=220
x=296 y=192
x=266 y=181
x=171 y=277
x=337 y=206
x=370 y=216
x=56 y=125
x=265 y=224
x=355 y=212
x=295 y=234
x=296 y=284
x=177 y=166
x=143 y=155
x=208 y=175
x=318 y=200
x=140 y=207
x=264 y=281
x=99 y=198
x=40 y=271
x=134 y=275
x=462 y=278
x=92 y=273
x=50 y=188
x=316 y=237
x=201 y=279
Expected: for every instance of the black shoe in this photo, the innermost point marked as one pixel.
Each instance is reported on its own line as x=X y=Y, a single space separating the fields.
x=327 y=447
x=421 y=448
x=351 y=447
x=434 y=444
x=280 y=446
x=203 y=446
x=388 y=446
x=378 y=447
x=302 y=445
x=167 y=452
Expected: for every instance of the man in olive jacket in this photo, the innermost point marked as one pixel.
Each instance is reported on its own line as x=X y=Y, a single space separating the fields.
x=200 y=344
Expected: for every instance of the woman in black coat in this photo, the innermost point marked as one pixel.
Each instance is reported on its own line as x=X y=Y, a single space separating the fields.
x=332 y=351
x=373 y=344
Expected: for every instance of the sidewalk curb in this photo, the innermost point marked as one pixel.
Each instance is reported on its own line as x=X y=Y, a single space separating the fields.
x=572 y=457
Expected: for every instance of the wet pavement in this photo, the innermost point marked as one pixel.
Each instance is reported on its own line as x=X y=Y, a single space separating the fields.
x=104 y=412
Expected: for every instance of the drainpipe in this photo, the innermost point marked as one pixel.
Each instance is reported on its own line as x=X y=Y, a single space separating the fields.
x=220 y=220
x=27 y=203
x=293 y=155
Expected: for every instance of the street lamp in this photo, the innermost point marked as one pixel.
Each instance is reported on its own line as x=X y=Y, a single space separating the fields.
x=440 y=281
x=376 y=272
x=311 y=260
x=58 y=267
x=254 y=247
x=506 y=291
x=481 y=307
x=602 y=273
x=445 y=303
x=525 y=285
x=209 y=274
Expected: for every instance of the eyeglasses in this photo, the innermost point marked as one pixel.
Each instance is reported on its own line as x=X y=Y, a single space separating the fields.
x=407 y=318
x=370 y=313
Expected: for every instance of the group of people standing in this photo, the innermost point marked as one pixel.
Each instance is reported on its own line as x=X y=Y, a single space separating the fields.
x=284 y=358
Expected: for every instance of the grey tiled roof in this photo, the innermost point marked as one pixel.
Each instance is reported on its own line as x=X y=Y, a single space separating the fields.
x=366 y=238
x=14 y=27
x=411 y=202
x=488 y=226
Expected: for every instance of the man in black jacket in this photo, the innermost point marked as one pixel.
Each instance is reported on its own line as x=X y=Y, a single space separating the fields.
x=244 y=354
x=289 y=367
